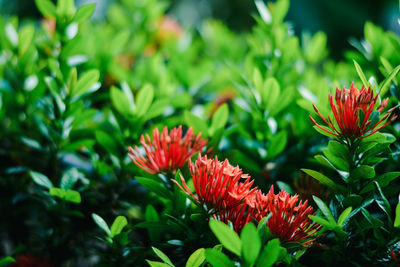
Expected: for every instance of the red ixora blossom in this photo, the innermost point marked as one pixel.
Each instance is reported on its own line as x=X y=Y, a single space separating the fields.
x=218 y=185
x=354 y=114
x=289 y=218
x=168 y=151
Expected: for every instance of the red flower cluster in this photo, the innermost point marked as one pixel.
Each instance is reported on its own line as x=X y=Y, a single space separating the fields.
x=167 y=152
x=226 y=193
x=353 y=111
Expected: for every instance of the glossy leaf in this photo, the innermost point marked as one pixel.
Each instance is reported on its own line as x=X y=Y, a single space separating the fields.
x=228 y=237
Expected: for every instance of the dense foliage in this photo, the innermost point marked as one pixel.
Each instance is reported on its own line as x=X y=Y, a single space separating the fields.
x=132 y=141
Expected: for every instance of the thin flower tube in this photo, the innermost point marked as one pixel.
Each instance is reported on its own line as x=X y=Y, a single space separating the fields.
x=168 y=151
x=355 y=114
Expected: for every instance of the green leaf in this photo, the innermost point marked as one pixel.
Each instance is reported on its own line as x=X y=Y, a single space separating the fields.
x=322 y=221
x=322 y=179
x=277 y=144
x=270 y=254
x=217 y=258
x=316 y=50
x=343 y=216
x=101 y=223
x=382 y=201
x=219 y=119
x=162 y=256
x=397 y=218
x=143 y=99
x=46 y=7
x=228 y=237
x=361 y=74
x=57 y=192
x=323 y=132
x=155 y=187
x=198 y=125
x=157 y=264
x=383 y=181
x=270 y=93
x=325 y=210
x=362 y=172
x=85 y=83
x=120 y=101
x=65 y=8
x=41 y=179
x=25 y=39
x=337 y=161
x=84 y=13
x=106 y=141
x=251 y=243
x=197 y=258
x=6 y=261
x=73 y=196
x=119 y=223
x=386 y=83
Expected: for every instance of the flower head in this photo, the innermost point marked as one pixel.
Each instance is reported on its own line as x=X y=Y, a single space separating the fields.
x=355 y=114
x=218 y=185
x=289 y=220
x=168 y=151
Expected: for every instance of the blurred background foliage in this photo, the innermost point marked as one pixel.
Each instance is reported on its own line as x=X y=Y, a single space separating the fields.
x=341 y=20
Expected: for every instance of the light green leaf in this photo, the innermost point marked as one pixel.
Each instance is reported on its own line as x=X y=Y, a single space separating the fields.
x=397 y=218
x=143 y=100
x=25 y=39
x=157 y=264
x=270 y=254
x=41 y=179
x=386 y=83
x=73 y=196
x=101 y=223
x=84 y=13
x=198 y=125
x=120 y=101
x=277 y=144
x=162 y=256
x=217 y=258
x=343 y=216
x=46 y=7
x=228 y=237
x=361 y=74
x=197 y=258
x=57 y=192
x=219 y=119
x=119 y=223
x=251 y=243
x=85 y=83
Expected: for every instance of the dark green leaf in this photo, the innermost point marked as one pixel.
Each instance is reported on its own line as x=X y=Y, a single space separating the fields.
x=325 y=210
x=155 y=187
x=362 y=172
x=277 y=145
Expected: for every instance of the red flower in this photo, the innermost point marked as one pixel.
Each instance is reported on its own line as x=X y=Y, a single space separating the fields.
x=218 y=185
x=353 y=111
x=167 y=152
x=289 y=220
